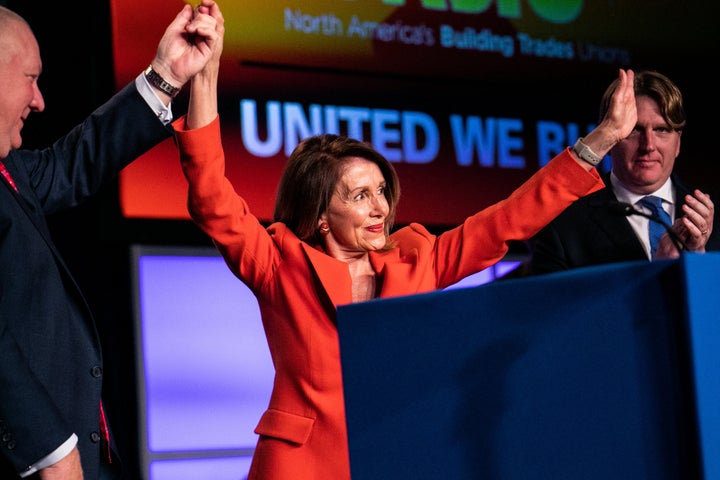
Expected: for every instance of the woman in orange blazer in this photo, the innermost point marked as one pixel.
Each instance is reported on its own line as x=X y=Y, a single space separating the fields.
x=330 y=244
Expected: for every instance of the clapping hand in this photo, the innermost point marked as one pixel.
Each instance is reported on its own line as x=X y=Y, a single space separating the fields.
x=693 y=228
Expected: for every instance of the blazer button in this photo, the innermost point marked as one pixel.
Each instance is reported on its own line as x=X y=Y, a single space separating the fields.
x=96 y=371
x=9 y=440
x=95 y=437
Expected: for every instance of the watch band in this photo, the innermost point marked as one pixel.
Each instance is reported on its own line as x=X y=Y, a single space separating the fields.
x=156 y=80
x=585 y=153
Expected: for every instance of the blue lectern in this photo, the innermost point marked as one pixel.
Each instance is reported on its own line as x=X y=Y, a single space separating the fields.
x=609 y=372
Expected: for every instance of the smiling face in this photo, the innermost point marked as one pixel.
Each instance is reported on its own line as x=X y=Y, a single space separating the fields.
x=645 y=159
x=20 y=67
x=357 y=211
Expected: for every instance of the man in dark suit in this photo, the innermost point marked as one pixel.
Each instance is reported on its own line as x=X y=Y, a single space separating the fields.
x=603 y=227
x=52 y=422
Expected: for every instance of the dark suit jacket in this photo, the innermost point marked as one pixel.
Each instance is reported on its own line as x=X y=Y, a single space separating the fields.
x=50 y=358
x=590 y=233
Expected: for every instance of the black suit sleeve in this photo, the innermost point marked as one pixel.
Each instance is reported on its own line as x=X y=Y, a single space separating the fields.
x=91 y=154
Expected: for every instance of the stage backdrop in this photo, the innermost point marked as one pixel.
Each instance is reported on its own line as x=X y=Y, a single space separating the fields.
x=467 y=98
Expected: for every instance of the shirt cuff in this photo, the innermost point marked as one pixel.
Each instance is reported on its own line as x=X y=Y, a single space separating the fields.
x=163 y=112
x=61 y=452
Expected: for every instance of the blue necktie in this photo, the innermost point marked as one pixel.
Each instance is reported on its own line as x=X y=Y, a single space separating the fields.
x=656 y=230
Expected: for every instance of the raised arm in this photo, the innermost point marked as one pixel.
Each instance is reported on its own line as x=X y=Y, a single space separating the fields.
x=202 y=108
x=618 y=122
x=188 y=44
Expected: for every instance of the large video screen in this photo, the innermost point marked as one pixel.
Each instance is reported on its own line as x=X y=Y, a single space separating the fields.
x=468 y=98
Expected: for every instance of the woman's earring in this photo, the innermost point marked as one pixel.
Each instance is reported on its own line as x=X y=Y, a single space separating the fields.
x=324 y=228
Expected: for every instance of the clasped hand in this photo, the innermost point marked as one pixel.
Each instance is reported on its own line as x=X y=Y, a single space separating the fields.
x=693 y=228
x=189 y=42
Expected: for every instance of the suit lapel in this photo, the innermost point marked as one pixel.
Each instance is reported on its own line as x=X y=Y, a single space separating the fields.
x=680 y=191
x=333 y=275
x=616 y=226
x=396 y=275
x=37 y=219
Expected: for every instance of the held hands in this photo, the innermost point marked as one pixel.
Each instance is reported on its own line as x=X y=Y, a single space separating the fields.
x=211 y=8
x=202 y=108
x=189 y=43
x=694 y=228
x=209 y=73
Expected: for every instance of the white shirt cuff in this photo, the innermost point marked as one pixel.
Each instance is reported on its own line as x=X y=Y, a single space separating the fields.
x=163 y=112
x=61 y=452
